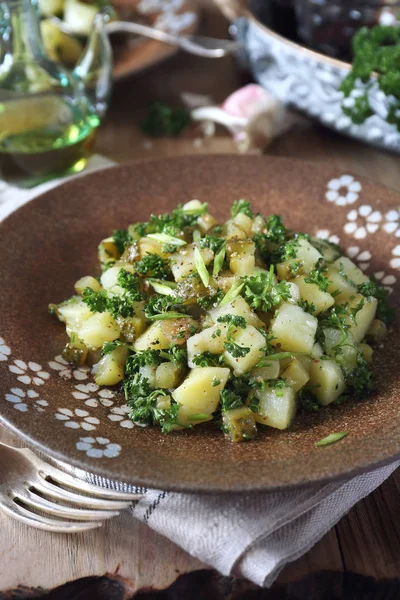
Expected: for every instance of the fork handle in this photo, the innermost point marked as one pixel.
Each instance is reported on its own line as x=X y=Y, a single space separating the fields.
x=145 y=30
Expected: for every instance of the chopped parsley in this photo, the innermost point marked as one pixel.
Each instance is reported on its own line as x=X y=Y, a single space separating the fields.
x=230 y=399
x=235 y=350
x=262 y=294
x=309 y=307
x=213 y=242
x=241 y=206
x=130 y=284
x=157 y=305
x=153 y=265
x=233 y=321
x=383 y=312
x=122 y=238
x=375 y=62
x=117 y=306
x=318 y=276
x=208 y=359
x=162 y=120
x=277 y=232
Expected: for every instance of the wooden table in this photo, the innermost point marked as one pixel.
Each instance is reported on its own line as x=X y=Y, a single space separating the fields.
x=367 y=540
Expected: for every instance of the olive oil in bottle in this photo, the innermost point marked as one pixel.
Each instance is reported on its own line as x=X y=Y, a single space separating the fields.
x=44 y=136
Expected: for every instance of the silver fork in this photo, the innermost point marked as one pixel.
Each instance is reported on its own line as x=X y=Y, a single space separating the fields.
x=194 y=44
x=40 y=495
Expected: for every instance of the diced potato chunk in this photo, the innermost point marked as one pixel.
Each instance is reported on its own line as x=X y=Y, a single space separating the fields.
x=110 y=369
x=277 y=407
x=149 y=246
x=79 y=16
x=186 y=414
x=107 y=251
x=258 y=225
x=344 y=354
x=232 y=231
x=75 y=351
x=243 y=221
x=359 y=326
x=377 y=331
x=306 y=255
x=293 y=329
x=109 y=278
x=317 y=350
x=149 y=372
x=200 y=391
x=225 y=280
x=367 y=352
x=87 y=282
x=238 y=307
x=168 y=375
x=269 y=371
x=327 y=380
x=312 y=294
x=59 y=46
x=99 y=328
x=247 y=338
x=73 y=313
x=183 y=262
x=239 y=424
x=209 y=340
x=206 y=222
x=345 y=265
x=296 y=375
x=327 y=249
x=294 y=290
x=339 y=287
x=241 y=257
x=161 y=334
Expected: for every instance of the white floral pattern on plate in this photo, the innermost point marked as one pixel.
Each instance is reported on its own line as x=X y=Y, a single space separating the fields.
x=395 y=262
x=392 y=222
x=68 y=371
x=85 y=391
x=77 y=419
x=343 y=190
x=23 y=400
x=5 y=350
x=362 y=257
x=386 y=280
x=119 y=414
x=98 y=447
x=362 y=221
x=325 y=234
x=30 y=372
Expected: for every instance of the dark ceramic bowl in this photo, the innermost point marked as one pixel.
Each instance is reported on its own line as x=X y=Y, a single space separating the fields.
x=51 y=242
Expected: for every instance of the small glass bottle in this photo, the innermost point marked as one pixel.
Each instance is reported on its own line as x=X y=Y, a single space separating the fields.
x=48 y=114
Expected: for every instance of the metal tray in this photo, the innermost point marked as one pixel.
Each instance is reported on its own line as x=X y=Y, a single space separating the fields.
x=305 y=79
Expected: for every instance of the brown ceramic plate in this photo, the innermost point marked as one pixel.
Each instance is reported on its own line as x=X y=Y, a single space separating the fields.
x=133 y=54
x=48 y=244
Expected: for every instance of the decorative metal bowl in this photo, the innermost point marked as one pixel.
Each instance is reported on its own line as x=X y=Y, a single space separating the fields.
x=306 y=79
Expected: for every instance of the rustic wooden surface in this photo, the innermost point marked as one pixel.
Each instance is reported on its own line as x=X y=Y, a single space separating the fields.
x=367 y=540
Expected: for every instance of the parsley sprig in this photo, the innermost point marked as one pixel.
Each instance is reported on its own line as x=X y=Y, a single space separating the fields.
x=262 y=294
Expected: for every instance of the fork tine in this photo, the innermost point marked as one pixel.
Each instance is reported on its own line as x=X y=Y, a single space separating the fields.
x=46 y=470
x=60 y=510
x=50 y=489
x=33 y=520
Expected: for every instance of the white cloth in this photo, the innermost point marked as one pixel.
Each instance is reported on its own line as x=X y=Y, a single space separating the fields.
x=249 y=535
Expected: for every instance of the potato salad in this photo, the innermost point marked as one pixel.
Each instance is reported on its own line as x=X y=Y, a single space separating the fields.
x=244 y=323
